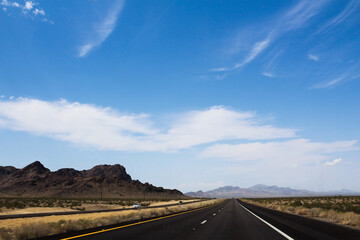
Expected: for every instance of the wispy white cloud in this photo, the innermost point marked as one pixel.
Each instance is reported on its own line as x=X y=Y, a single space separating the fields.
x=268 y=74
x=272 y=60
x=28 y=5
x=300 y=14
x=223 y=69
x=105 y=128
x=84 y=49
x=103 y=29
x=218 y=124
x=39 y=12
x=294 y=18
x=313 y=57
x=82 y=124
x=297 y=151
x=256 y=49
x=9 y=3
x=350 y=74
x=28 y=8
x=350 y=8
x=329 y=83
x=333 y=162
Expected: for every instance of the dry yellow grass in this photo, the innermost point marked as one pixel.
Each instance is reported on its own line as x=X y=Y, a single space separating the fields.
x=84 y=206
x=42 y=226
x=35 y=210
x=169 y=202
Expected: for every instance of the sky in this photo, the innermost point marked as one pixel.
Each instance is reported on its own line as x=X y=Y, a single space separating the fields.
x=192 y=95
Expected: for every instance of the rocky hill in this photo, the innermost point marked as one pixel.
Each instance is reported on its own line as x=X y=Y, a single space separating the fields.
x=261 y=190
x=107 y=181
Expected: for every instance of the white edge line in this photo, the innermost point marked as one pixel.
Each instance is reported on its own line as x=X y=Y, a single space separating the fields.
x=276 y=229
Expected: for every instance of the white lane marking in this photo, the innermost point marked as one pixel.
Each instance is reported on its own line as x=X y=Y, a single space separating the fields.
x=203 y=222
x=214 y=214
x=276 y=229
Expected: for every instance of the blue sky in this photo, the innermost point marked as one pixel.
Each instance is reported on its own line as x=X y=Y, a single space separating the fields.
x=185 y=94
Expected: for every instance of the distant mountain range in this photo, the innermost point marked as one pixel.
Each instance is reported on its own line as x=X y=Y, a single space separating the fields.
x=261 y=190
x=107 y=181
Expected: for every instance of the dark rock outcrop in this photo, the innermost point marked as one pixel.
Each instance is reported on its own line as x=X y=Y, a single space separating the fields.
x=108 y=171
x=5 y=171
x=107 y=181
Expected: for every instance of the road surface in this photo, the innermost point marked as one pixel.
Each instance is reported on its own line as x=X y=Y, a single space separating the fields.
x=231 y=219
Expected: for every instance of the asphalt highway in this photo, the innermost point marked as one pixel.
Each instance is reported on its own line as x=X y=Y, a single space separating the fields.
x=231 y=219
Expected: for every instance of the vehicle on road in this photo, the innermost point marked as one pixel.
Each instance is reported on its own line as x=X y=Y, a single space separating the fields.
x=136 y=206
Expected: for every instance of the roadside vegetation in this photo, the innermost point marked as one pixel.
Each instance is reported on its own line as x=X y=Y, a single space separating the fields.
x=45 y=226
x=8 y=204
x=343 y=210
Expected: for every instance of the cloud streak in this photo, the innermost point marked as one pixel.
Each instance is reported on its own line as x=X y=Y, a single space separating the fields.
x=329 y=83
x=102 y=30
x=218 y=123
x=350 y=8
x=257 y=48
x=333 y=162
x=294 y=18
x=313 y=57
x=268 y=74
x=300 y=14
